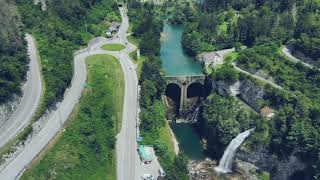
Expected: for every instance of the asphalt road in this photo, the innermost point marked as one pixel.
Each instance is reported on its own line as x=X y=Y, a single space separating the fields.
x=258 y=77
x=126 y=147
x=287 y=51
x=126 y=139
x=30 y=100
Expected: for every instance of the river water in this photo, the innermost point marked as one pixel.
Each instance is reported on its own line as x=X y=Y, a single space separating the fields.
x=174 y=60
x=189 y=140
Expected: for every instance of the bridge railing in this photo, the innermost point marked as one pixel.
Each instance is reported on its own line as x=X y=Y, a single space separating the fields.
x=177 y=76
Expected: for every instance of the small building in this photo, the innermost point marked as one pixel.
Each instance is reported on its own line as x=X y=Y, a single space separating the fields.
x=146 y=154
x=267 y=112
x=210 y=59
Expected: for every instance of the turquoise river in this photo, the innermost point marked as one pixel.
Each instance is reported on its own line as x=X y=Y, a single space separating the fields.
x=175 y=62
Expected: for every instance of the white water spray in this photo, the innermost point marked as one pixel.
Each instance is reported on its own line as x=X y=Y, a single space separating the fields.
x=193 y=117
x=225 y=163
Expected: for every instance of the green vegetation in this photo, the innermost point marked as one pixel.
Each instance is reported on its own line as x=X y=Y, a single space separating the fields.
x=146 y=28
x=13 y=52
x=113 y=47
x=307 y=32
x=68 y=26
x=223 y=118
x=133 y=55
x=216 y=24
x=292 y=76
x=298 y=112
x=86 y=150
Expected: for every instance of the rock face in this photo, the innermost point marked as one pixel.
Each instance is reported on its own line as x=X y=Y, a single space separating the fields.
x=8 y=108
x=246 y=90
x=203 y=170
x=279 y=169
x=251 y=93
x=43 y=4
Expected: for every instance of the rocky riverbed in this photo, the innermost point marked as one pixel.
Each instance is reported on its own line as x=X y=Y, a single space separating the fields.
x=204 y=170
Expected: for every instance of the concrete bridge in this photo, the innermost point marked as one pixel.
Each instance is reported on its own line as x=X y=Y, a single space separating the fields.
x=185 y=90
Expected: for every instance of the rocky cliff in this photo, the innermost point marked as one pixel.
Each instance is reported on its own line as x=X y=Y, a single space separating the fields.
x=245 y=89
x=279 y=169
x=8 y=108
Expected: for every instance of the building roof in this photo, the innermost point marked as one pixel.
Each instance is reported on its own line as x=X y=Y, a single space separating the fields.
x=210 y=57
x=146 y=153
x=266 y=111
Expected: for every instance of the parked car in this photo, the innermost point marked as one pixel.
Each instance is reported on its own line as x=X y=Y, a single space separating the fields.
x=147 y=177
x=161 y=172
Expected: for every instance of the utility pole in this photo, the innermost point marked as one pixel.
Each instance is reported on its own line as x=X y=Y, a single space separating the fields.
x=60 y=118
x=85 y=24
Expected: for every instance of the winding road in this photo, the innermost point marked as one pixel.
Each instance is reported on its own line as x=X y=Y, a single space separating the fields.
x=30 y=100
x=258 y=77
x=126 y=139
x=287 y=51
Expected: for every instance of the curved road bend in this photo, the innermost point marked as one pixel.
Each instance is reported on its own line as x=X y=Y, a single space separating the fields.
x=126 y=139
x=286 y=50
x=40 y=140
x=30 y=100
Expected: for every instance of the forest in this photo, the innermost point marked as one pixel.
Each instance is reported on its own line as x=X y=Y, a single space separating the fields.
x=59 y=31
x=217 y=24
x=13 y=49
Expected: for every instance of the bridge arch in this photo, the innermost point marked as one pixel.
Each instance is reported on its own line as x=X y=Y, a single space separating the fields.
x=196 y=89
x=173 y=96
x=192 y=86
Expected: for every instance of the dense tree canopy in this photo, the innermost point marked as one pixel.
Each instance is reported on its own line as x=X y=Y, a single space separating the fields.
x=218 y=24
x=13 y=52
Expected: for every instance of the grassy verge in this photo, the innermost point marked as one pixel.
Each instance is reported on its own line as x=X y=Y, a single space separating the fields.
x=231 y=57
x=138 y=62
x=86 y=150
x=113 y=47
x=165 y=138
x=133 y=40
x=133 y=54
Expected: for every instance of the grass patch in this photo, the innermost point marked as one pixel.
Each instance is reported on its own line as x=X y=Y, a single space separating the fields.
x=231 y=57
x=113 y=47
x=86 y=150
x=165 y=138
x=133 y=54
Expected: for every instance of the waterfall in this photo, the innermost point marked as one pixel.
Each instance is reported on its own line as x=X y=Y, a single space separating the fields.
x=227 y=158
x=193 y=117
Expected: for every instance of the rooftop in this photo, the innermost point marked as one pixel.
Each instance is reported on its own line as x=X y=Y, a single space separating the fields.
x=146 y=153
x=208 y=57
x=266 y=110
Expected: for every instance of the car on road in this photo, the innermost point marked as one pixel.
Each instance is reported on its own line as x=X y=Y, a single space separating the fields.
x=161 y=172
x=147 y=177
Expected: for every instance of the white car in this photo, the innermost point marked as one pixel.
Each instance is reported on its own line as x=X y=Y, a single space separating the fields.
x=147 y=177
